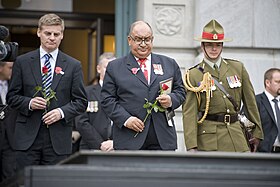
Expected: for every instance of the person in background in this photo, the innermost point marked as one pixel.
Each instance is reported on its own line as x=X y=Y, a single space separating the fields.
x=267 y=103
x=215 y=89
x=7 y=125
x=95 y=126
x=140 y=124
x=47 y=90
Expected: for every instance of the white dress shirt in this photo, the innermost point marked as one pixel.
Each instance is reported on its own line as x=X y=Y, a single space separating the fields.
x=3 y=90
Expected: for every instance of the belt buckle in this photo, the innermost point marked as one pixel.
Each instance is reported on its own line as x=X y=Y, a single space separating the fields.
x=227 y=119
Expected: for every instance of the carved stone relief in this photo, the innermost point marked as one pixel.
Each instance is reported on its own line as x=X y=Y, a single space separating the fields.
x=168 y=20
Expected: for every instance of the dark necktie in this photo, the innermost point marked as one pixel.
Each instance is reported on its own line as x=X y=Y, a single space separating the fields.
x=47 y=75
x=216 y=68
x=143 y=66
x=277 y=111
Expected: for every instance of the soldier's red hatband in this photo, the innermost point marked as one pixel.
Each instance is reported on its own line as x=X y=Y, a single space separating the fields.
x=210 y=36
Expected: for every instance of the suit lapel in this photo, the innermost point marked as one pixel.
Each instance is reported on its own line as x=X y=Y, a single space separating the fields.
x=131 y=63
x=267 y=105
x=60 y=62
x=35 y=65
x=155 y=62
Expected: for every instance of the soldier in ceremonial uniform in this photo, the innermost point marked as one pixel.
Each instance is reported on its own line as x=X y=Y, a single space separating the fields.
x=210 y=116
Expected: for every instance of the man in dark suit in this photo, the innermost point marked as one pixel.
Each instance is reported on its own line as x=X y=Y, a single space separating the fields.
x=266 y=106
x=95 y=126
x=7 y=124
x=132 y=79
x=47 y=91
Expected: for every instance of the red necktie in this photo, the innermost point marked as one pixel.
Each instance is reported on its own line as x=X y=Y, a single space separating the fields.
x=143 y=66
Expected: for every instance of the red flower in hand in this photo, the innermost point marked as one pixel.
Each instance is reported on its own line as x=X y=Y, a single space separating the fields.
x=45 y=70
x=165 y=87
x=153 y=106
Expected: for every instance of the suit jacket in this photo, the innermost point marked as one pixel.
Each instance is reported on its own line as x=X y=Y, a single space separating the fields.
x=94 y=125
x=8 y=123
x=212 y=135
x=269 y=124
x=70 y=94
x=123 y=95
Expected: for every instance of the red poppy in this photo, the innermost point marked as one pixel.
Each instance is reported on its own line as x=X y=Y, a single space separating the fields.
x=58 y=70
x=134 y=70
x=45 y=70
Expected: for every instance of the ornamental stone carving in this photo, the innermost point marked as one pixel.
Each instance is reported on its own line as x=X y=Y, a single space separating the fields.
x=168 y=20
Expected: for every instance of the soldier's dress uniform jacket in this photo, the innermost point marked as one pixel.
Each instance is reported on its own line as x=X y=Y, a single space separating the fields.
x=215 y=135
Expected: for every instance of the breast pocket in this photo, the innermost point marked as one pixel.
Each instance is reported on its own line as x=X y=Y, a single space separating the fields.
x=207 y=137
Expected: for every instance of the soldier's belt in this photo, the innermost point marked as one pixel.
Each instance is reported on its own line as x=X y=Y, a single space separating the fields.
x=226 y=118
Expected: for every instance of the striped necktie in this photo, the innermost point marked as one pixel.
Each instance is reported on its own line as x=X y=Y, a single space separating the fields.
x=47 y=75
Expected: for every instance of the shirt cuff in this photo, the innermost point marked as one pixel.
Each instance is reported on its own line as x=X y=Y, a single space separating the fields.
x=61 y=113
x=170 y=102
x=125 y=123
x=29 y=106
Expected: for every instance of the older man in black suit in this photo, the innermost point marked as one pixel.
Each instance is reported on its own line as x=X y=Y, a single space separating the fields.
x=133 y=78
x=267 y=103
x=48 y=92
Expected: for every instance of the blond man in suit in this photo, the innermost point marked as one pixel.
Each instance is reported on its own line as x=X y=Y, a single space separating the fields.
x=44 y=124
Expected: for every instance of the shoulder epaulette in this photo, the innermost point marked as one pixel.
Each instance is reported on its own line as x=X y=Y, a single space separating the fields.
x=231 y=59
x=197 y=66
x=193 y=66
